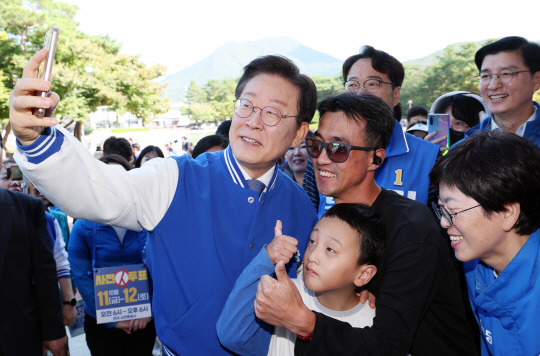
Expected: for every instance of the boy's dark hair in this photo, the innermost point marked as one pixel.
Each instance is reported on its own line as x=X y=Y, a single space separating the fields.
x=224 y=128
x=464 y=108
x=147 y=150
x=495 y=169
x=119 y=146
x=208 y=142
x=381 y=62
x=417 y=110
x=530 y=51
x=285 y=68
x=369 y=227
x=370 y=109
x=114 y=158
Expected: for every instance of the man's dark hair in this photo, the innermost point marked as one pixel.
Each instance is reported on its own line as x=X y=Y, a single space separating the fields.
x=367 y=108
x=495 y=169
x=147 y=150
x=114 y=158
x=381 y=62
x=417 y=110
x=208 y=142
x=369 y=227
x=285 y=68
x=530 y=51
x=223 y=128
x=464 y=108
x=119 y=146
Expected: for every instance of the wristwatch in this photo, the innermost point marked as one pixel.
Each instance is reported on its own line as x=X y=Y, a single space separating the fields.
x=71 y=302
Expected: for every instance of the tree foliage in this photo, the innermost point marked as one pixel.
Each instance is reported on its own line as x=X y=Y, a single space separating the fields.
x=89 y=71
x=454 y=70
x=213 y=102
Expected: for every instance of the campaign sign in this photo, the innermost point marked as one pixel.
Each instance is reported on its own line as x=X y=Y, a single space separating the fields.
x=78 y=328
x=121 y=293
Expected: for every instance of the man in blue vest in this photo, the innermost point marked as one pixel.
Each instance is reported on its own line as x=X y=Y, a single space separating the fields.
x=509 y=76
x=207 y=218
x=408 y=159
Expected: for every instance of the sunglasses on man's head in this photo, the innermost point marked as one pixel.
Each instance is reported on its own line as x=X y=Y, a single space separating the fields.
x=337 y=152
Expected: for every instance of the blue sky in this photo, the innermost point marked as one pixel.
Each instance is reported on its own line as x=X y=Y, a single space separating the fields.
x=178 y=34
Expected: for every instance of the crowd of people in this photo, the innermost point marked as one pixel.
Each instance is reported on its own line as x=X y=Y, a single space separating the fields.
x=267 y=238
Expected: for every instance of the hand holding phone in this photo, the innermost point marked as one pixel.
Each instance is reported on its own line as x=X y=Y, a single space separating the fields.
x=440 y=124
x=51 y=39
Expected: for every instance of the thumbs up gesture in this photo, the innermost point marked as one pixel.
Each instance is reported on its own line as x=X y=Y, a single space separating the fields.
x=279 y=303
x=282 y=247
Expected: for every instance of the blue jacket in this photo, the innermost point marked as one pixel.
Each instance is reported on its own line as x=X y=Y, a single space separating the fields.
x=508 y=307
x=405 y=168
x=109 y=252
x=223 y=227
x=532 y=130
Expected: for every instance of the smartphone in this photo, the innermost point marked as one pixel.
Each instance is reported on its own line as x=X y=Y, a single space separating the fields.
x=51 y=39
x=15 y=172
x=439 y=123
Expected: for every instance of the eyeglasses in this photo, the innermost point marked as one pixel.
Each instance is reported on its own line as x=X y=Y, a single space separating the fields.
x=441 y=211
x=270 y=116
x=337 y=152
x=369 y=86
x=505 y=76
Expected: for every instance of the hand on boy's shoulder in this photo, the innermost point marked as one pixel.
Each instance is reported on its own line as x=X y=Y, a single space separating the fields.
x=282 y=247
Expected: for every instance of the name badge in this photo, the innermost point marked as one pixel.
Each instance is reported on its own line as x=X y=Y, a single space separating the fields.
x=122 y=293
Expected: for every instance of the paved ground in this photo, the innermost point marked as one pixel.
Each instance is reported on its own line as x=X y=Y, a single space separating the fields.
x=77 y=346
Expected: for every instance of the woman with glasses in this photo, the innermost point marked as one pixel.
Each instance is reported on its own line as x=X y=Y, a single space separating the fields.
x=489 y=201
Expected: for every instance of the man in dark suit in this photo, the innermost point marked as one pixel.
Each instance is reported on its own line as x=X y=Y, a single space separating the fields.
x=30 y=310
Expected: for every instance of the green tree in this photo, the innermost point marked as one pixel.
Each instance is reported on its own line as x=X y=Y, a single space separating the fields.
x=327 y=86
x=89 y=71
x=220 y=93
x=455 y=70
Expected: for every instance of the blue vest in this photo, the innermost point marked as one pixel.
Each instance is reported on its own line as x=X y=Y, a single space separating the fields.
x=507 y=308
x=405 y=169
x=213 y=228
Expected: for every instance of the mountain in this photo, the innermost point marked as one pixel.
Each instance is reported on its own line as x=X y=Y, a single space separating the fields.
x=228 y=60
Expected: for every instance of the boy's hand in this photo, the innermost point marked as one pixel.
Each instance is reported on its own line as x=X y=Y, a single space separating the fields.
x=279 y=303
x=27 y=127
x=282 y=247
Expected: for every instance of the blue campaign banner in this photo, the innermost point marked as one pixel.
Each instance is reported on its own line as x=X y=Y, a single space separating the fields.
x=122 y=293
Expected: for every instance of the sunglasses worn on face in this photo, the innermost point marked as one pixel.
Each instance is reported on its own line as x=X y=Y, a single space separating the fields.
x=337 y=152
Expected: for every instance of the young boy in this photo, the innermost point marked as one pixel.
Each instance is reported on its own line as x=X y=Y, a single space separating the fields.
x=343 y=251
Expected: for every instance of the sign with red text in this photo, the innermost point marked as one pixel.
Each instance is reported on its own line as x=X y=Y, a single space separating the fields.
x=122 y=293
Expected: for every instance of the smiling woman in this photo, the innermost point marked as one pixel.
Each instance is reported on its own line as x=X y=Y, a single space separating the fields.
x=489 y=194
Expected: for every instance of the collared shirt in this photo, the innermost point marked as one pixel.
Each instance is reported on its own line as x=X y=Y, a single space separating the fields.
x=520 y=131
x=265 y=178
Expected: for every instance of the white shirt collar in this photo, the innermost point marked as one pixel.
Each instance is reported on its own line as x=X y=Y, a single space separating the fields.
x=265 y=178
x=520 y=131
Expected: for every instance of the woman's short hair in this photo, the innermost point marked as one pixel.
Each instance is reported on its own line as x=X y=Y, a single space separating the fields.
x=495 y=169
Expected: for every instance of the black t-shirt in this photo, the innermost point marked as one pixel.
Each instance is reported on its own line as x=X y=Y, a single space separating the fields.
x=420 y=309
